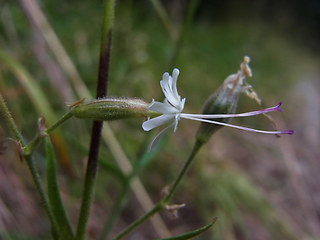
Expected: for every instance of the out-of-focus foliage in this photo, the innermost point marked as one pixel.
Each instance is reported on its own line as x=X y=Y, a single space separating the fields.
x=259 y=187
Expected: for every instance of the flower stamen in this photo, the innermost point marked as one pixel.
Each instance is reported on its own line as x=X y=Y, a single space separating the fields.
x=240 y=127
x=247 y=114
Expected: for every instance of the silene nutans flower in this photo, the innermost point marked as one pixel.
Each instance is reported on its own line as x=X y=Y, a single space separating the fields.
x=221 y=106
x=217 y=112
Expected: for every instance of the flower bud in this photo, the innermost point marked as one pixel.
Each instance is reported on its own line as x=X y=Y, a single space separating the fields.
x=108 y=109
x=224 y=100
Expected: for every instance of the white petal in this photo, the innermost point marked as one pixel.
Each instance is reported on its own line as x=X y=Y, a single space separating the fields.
x=162 y=107
x=175 y=75
x=158 y=137
x=176 y=121
x=182 y=104
x=157 y=121
x=165 y=76
x=165 y=85
x=169 y=88
x=169 y=94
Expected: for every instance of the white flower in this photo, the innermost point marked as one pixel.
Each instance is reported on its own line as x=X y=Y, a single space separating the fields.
x=172 y=107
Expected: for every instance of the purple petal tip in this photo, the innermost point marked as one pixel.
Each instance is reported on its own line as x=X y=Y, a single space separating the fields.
x=288 y=132
x=278 y=108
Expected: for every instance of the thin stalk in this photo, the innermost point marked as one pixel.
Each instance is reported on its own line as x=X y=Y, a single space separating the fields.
x=164 y=201
x=64 y=118
x=158 y=207
x=34 y=173
x=187 y=164
x=9 y=120
x=27 y=150
x=45 y=202
x=87 y=195
x=103 y=77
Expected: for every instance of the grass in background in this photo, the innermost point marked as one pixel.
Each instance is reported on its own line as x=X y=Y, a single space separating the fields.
x=141 y=51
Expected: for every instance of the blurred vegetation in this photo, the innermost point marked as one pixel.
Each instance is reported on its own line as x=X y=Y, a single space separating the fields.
x=258 y=187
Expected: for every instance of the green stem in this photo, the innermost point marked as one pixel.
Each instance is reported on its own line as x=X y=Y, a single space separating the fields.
x=27 y=150
x=187 y=164
x=103 y=77
x=34 y=173
x=158 y=207
x=163 y=202
x=9 y=120
x=88 y=189
x=36 y=180
x=64 y=118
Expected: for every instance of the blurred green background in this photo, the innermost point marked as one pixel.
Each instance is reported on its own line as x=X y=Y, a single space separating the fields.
x=258 y=186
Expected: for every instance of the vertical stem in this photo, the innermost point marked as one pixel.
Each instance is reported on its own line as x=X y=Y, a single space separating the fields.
x=9 y=120
x=87 y=195
x=103 y=77
x=34 y=173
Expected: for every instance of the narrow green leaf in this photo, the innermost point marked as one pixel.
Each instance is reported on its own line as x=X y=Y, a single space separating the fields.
x=192 y=234
x=33 y=90
x=54 y=194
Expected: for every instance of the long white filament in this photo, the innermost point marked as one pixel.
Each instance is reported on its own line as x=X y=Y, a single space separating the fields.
x=237 y=127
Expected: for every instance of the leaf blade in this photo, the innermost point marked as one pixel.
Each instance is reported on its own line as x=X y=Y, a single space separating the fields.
x=192 y=234
x=54 y=193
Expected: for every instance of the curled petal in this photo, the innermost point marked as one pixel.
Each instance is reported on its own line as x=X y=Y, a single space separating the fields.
x=157 y=121
x=175 y=102
x=175 y=75
x=169 y=88
x=157 y=138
